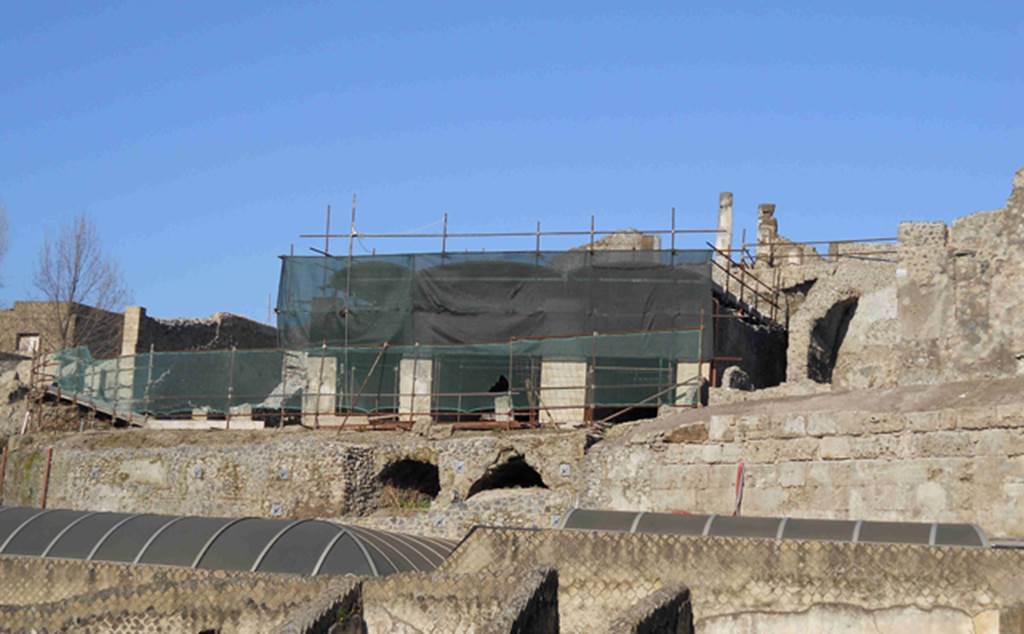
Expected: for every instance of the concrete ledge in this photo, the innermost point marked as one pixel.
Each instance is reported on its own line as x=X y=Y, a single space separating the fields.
x=234 y=423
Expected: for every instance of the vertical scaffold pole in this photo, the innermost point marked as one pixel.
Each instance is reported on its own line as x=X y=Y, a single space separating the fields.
x=591 y=396
x=412 y=382
x=319 y=384
x=511 y=409
x=444 y=233
x=231 y=388
x=327 y=232
x=348 y=281
x=149 y=381
x=700 y=358
x=673 y=233
x=117 y=390
x=284 y=388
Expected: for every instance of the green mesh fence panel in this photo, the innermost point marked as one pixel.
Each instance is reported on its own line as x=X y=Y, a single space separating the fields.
x=622 y=370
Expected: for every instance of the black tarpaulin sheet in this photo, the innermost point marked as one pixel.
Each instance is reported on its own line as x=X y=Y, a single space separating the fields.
x=465 y=298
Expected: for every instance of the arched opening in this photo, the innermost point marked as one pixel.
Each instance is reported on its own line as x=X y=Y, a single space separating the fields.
x=514 y=473
x=827 y=338
x=409 y=484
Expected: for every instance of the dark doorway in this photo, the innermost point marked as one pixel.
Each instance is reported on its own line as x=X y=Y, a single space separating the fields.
x=511 y=474
x=409 y=483
x=827 y=338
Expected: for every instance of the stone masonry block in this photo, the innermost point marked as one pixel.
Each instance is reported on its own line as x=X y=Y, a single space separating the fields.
x=835 y=448
x=721 y=428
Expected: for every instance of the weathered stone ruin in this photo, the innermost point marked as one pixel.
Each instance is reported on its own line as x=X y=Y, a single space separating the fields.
x=876 y=388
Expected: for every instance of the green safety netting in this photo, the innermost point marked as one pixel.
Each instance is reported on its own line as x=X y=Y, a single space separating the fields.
x=351 y=327
x=459 y=298
x=620 y=370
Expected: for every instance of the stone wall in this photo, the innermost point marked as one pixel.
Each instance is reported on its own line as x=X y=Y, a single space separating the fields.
x=97 y=329
x=953 y=452
x=58 y=595
x=221 y=331
x=269 y=473
x=943 y=304
x=810 y=459
x=959 y=292
x=520 y=603
x=751 y=585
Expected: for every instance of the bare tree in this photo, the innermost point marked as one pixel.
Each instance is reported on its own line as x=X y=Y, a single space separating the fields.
x=83 y=287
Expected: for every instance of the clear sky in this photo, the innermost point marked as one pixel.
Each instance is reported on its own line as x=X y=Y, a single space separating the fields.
x=202 y=138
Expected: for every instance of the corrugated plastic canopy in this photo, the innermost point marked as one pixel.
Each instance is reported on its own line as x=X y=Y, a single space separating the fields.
x=302 y=547
x=786 y=528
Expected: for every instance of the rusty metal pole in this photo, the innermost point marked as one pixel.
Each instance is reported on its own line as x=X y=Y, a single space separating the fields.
x=3 y=472
x=46 y=476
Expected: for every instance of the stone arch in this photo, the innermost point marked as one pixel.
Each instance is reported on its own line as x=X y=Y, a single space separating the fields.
x=409 y=482
x=818 y=327
x=513 y=473
x=826 y=339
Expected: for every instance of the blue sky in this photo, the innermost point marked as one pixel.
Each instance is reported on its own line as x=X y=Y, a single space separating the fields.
x=202 y=138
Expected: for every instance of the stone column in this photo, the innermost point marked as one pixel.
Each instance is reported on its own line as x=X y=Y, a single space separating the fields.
x=563 y=387
x=415 y=385
x=321 y=390
x=132 y=329
x=767 y=233
x=690 y=394
x=723 y=241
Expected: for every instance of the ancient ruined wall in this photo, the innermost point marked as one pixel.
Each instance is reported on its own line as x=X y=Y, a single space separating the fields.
x=961 y=309
x=60 y=595
x=268 y=473
x=842 y=331
x=854 y=459
x=97 y=329
x=944 y=304
x=750 y=585
x=221 y=331
x=526 y=508
x=428 y=603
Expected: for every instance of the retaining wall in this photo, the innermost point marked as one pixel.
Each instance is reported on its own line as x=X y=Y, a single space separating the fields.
x=948 y=465
x=267 y=473
x=750 y=585
x=53 y=595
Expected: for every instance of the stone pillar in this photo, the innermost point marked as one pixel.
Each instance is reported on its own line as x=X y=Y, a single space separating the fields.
x=563 y=386
x=503 y=408
x=767 y=233
x=690 y=394
x=723 y=241
x=132 y=329
x=123 y=380
x=415 y=385
x=321 y=389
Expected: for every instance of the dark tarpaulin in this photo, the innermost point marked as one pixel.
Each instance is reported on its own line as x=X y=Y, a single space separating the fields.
x=489 y=297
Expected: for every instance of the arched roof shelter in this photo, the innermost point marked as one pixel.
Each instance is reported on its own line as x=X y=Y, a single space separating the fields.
x=302 y=547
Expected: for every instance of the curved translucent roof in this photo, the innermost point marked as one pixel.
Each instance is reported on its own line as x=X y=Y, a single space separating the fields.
x=855 y=531
x=303 y=547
